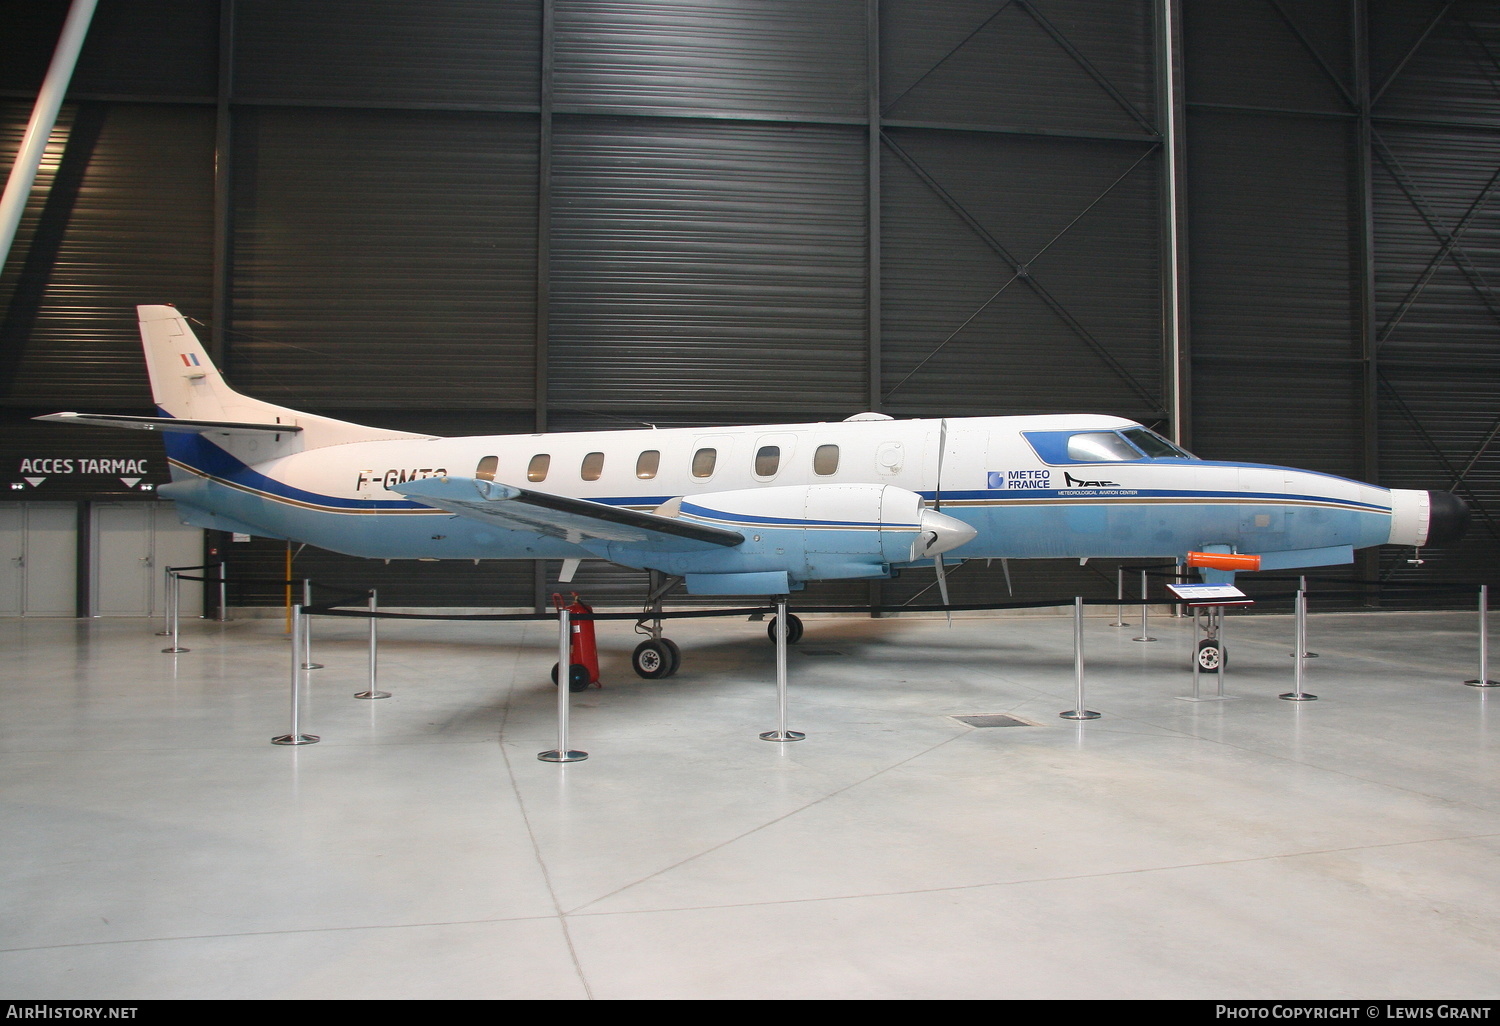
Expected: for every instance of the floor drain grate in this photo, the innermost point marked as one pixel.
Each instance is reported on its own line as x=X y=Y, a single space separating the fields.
x=993 y=721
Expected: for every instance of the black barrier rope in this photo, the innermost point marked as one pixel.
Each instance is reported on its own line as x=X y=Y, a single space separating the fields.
x=1408 y=589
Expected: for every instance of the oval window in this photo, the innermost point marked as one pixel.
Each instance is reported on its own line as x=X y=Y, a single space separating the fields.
x=593 y=466
x=767 y=460
x=703 y=462
x=487 y=467
x=536 y=470
x=647 y=464
x=826 y=460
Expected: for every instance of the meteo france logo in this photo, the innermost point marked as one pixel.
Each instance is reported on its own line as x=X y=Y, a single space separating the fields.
x=190 y=359
x=1020 y=479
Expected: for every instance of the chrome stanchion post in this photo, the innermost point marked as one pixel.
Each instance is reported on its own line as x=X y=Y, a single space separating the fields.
x=223 y=592
x=781 y=733
x=166 y=609
x=307 y=663
x=1483 y=680
x=1119 y=598
x=1078 y=712
x=1197 y=630
x=562 y=753
x=1223 y=655
x=1177 y=578
x=1145 y=628
x=1298 y=695
x=174 y=591
x=296 y=737
x=1302 y=590
x=372 y=692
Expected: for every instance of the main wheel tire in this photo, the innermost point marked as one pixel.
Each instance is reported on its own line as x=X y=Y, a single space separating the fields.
x=578 y=677
x=1210 y=656
x=653 y=659
x=676 y=656
x=793 y=629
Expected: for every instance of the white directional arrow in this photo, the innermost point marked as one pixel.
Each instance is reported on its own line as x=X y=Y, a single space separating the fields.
x=34 y=481
x=130 y=482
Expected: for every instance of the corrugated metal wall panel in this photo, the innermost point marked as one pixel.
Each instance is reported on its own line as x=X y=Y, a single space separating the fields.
x=1452 y=74
x=449 y=53
x=989 y=64
x=1245 y=53
x=157 y=48
x=1437 y=216
x=780 y=59
x=1084 y=222
x=121 y=214
x=384 y=259
x=1274 y=291
x=707 y=266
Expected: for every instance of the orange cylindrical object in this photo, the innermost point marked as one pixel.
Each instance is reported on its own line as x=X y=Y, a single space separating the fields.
x=1223 y=561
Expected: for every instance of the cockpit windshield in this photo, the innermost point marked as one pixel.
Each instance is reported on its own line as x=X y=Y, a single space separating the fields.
x=1154 y=445
x=1100 y=447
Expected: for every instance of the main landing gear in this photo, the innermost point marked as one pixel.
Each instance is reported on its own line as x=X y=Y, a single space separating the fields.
x=656 y=657
x=793 y=629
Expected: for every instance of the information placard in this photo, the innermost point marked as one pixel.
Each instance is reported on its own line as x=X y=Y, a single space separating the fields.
x=1210 y=594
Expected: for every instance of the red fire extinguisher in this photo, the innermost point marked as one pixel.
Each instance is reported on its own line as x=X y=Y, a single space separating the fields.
x=583 y=652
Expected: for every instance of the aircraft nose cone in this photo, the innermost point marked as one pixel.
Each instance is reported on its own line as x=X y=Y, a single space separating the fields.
x=1447 y=518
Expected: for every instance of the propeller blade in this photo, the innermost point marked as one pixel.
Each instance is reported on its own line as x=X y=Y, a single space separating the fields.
x=1005 y=565
x=937 y=494
x=942 y=583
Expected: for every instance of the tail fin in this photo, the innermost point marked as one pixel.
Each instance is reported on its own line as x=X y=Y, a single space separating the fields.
x=186 y=385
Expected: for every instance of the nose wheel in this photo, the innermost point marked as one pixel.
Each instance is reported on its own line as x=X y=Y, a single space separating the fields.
x=1210 y=656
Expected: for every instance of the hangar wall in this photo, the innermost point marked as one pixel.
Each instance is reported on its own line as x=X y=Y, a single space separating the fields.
x=466 y=217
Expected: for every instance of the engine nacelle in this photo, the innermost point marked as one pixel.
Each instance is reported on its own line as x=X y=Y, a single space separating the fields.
x=811 y=532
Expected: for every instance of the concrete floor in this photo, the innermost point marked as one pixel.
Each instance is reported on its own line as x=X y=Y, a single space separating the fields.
x=156 y=845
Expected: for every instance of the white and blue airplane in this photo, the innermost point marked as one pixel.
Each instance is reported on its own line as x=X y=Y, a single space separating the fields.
x=756 y=510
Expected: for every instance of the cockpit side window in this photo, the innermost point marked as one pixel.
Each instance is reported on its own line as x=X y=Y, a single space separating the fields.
x=1154 y=445
x=1100 y=447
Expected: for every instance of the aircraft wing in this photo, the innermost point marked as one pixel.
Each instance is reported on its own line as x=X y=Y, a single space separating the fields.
x=559 y=516
x=192 y=427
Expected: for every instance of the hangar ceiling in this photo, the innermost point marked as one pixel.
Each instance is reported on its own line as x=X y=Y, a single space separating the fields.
x=467 y=216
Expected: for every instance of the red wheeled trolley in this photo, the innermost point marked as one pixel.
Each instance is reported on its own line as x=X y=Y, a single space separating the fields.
x=583 y=651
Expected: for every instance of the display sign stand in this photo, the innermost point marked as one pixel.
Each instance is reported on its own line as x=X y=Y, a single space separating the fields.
x=1207 y=602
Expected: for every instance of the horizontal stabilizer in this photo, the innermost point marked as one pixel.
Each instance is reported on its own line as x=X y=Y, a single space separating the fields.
x=189 y=427
x=559 y=516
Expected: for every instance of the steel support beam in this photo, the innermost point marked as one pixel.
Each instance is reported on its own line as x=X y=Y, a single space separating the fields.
x=544 y=215
x=43 y=117
x=223 y=242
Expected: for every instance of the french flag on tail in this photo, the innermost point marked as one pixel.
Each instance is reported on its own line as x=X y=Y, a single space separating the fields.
x=189 y=359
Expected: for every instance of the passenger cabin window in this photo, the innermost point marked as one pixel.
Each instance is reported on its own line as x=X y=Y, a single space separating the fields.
x=767 y=460
x=1100 y=447
x=826 y=460
x=647 y=464
x=593 y=466
x=487 y=467
x=703 y=462
x=536 y=470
